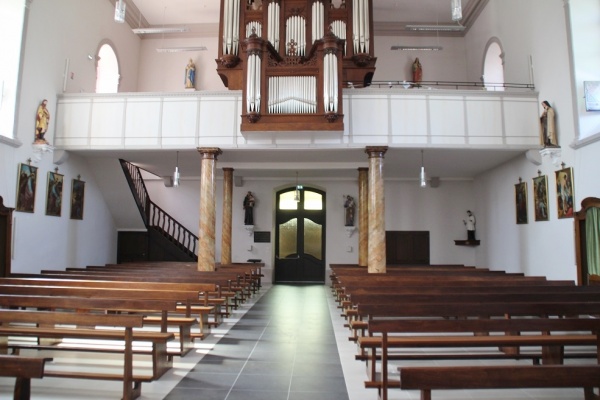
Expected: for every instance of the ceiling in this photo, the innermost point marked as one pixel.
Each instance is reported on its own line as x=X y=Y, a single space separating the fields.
x=387 y=14
x=399 y=163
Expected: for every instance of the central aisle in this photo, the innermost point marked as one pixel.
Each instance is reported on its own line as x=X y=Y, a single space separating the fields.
x=283 y=348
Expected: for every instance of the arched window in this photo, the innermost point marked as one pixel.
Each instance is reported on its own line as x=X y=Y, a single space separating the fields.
x=107 y=70
x=493 y=66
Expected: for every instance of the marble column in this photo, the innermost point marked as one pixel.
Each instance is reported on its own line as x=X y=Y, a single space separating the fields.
x=363 y=217
x=227 y=207
x=376 y=237
x=206 y=235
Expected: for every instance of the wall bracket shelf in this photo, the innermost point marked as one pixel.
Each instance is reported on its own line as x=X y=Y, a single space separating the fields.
x=467 y=242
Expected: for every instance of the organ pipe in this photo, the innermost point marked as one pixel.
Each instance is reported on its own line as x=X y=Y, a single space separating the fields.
x=318 y=22
x=273 y=25
x=231 y=18
x=361 y=26
x=292 y=95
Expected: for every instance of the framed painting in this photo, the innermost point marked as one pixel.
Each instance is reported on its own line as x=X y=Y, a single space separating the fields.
x=565 y=193
x=54 y=193
x=521 y=202
x=77 y=197
x=540 y=198
x=26 y=184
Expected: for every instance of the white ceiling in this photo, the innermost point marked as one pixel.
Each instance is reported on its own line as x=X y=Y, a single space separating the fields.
x=192 y=13
x=314 y=163
x=399 y=163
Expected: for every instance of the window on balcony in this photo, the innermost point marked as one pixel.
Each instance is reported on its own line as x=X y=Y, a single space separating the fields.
x=107 y=70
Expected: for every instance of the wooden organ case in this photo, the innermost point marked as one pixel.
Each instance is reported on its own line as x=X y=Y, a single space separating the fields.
x=291 y=59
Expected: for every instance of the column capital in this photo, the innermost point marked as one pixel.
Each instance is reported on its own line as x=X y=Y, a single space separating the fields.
x=363 y=169
x=210 y=152
x=376 y=151
x=228 y=169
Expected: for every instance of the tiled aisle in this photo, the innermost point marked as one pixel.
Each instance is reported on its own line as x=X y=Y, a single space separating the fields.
x=284 y=348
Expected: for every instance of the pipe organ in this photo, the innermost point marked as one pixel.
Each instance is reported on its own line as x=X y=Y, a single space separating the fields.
x=290 y=59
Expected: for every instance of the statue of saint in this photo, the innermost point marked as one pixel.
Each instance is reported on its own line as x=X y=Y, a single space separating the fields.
x=190 y=75
x=548 y=126
x=350 y=207
x=249 y=209
x=470 y=224
x=42 y=121
x=417 y=70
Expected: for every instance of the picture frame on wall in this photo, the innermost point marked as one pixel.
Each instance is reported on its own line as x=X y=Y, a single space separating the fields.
x=26 y=187
x=77 y=198
x=540 y=198
x=54 y=194
x=565 y=193
x=521 y=202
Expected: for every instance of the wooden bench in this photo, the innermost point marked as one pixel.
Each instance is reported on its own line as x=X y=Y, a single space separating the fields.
x=458 y=310
x=162 y=358
x=226 y=292
x=550 y=334
x=209 y=294
x=23 y=369
x=42 y=324
x=484 y=296
x=427 y=379
x=187 y=298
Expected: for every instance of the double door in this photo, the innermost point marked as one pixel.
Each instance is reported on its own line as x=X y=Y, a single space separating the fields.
x=300 y=236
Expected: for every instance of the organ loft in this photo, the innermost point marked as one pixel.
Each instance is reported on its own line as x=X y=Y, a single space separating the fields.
x=291 y=58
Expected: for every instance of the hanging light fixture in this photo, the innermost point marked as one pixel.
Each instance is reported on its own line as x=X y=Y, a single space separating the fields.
x=422 y=176
x=176 y=173
x=120 y=11
x=456 y=10
x=298 y=189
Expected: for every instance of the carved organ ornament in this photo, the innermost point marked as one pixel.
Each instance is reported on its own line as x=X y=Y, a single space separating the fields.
x=291 y=57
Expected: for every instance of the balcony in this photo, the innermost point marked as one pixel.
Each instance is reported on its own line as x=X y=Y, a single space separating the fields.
x=390 y=115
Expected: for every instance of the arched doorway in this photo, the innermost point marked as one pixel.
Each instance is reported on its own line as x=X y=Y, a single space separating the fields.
x=300 y=236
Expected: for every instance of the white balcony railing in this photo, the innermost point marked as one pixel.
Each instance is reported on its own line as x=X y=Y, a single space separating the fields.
x=373 y=116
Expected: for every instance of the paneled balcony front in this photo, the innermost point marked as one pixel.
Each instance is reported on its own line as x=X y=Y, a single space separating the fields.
x=394 y=117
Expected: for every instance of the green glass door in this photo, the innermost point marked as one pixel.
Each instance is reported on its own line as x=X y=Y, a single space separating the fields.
x=300 y=236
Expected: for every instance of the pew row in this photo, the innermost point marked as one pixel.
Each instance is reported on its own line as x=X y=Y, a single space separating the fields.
x=23 y=369
x=51 y=324
x=549 y=334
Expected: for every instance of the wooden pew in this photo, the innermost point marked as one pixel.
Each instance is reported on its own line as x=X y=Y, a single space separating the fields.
x=23 y=369
x=162 y=359
x=41 y=324
x=427 y=379
x=231 y=286
x=551 y=334
x=473 y=294
x=461 y=311
x=186 y=298
x=203 y=289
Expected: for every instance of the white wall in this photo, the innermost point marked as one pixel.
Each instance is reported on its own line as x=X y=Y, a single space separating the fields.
x=165 y=72
x=536 y=248
x=440 y=211
x=60 y=30
x=585 y=26
x=449 y=64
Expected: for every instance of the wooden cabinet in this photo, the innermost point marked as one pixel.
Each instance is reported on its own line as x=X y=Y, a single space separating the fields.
x=407 y=247
x=5 y=238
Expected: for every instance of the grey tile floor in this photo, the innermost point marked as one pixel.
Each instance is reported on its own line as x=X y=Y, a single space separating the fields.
x=287 y=342
x=284 y=348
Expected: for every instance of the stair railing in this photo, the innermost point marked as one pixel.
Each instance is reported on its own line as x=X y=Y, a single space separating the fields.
x=155 y=217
